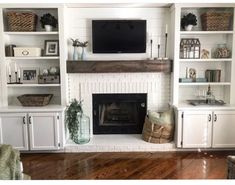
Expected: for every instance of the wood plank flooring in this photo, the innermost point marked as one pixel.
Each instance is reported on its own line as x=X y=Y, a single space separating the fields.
x=131 y=165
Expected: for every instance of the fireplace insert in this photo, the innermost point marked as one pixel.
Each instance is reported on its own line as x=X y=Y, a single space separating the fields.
x=119 y=113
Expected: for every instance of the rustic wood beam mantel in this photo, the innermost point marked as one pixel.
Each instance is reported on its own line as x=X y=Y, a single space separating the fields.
x=118 y=66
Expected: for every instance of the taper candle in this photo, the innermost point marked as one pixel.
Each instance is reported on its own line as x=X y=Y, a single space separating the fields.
x=166 y=28
x=15 y=68
x=9 y=70
x=18 y=73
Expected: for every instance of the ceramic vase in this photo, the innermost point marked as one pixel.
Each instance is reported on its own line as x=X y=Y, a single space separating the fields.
x=48 y=28
x=188 y=28
x=75 y=53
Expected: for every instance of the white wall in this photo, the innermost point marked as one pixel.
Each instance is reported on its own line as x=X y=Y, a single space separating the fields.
x=80 y=27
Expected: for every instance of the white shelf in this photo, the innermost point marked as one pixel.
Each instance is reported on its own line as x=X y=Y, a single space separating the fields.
x=32 y=58
x=32 y=33
x=205 y=83
x=207 y=60
x=205 y=32
x=33 y=85
x=18 y=108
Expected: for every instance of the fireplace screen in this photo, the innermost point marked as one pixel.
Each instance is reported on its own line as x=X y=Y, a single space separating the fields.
x=118 y=113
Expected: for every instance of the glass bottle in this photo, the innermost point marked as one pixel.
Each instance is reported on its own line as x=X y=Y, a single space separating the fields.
x=83 y=128
x=210 y=98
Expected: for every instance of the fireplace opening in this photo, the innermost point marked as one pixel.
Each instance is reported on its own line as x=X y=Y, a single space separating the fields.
x=118 y=113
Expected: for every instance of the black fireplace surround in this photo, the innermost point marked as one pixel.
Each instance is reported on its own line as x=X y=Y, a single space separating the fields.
x=119 y=113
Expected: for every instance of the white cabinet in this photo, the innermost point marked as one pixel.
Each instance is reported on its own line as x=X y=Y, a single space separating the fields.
x=30 y=131
x=206 y=129
x=223 y=129
x=43 y=131
x=13 y=130
x=197 y=129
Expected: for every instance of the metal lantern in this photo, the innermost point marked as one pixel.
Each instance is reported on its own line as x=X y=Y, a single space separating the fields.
x=190 y=48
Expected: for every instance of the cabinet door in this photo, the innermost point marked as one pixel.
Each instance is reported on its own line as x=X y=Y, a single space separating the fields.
x=223 y=129
x=197 y=127
x=13 y=130
x=43 y=131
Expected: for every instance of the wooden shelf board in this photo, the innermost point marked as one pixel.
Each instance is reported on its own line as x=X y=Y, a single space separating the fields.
x=18 y=108
x=205 y=32
x=207 y=60
x=32 y=58
x=117 y=66
x=33 y=85
x=204 y=83
x=32 y=33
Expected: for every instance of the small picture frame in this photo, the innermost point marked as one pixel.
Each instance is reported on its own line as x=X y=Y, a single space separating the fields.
x=51 y=48
x=29 y=75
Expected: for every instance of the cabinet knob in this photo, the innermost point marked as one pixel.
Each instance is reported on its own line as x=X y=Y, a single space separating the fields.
x=30 y=120
x=209 y=117
x=215 y=118
x=24 y=119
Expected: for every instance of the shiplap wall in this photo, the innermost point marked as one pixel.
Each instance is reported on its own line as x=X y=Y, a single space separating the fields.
x=80 y=28
x=156 y=85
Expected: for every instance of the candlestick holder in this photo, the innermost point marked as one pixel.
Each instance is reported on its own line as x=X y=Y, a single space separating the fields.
x=19 y=81
x=165 y=46
x=158 y=51
x=9 y=79
x=16 y=76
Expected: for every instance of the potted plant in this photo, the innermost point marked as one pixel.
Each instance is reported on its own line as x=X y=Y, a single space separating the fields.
x=71 y=120
x=188 y=21
x=48 y=21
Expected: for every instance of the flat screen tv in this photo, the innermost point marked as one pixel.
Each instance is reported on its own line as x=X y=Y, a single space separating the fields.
x=119 y=36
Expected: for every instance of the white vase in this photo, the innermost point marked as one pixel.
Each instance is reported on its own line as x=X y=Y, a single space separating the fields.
x=48 y=28
x=188 y=28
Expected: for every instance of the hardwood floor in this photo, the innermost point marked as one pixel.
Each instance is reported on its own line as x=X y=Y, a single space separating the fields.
x=132 y=165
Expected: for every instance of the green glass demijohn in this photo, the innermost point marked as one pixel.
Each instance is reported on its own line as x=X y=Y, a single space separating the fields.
x=78 y=124
x=83 y=129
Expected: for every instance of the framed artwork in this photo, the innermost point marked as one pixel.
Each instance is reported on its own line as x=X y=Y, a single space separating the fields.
x=51 y=48
x=29 y=75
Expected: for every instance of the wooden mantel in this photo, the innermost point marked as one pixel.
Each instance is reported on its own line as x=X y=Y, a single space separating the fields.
x=118 y=66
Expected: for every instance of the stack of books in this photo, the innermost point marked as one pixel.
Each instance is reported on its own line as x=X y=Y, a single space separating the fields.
x=213 y=75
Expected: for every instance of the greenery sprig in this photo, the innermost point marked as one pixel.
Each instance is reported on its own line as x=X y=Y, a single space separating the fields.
x=72 y=121
x=77 y=43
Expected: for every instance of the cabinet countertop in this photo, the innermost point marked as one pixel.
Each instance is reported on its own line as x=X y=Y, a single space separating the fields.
x=48 y=108
x=186 y=106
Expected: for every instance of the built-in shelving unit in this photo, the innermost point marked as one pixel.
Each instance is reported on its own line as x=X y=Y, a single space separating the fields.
x=31 y=39
x=209 y=40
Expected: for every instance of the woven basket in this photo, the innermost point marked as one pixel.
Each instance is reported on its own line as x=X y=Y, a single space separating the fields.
x=35 y=99
x=155 y=133
x=214 y=21
x=231 y=167
x=21 y=21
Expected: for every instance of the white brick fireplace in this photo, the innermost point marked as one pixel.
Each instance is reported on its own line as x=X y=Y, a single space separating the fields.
x=156 y=85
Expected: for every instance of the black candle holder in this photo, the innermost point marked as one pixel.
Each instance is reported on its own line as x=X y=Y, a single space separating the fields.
x=151 y=47
x=16 y=76
x=9 y=79
x=19 y=81
x=158 y=51
x=165 y=45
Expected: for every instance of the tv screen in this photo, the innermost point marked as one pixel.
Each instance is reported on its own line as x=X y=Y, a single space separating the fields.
x=119 y=36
